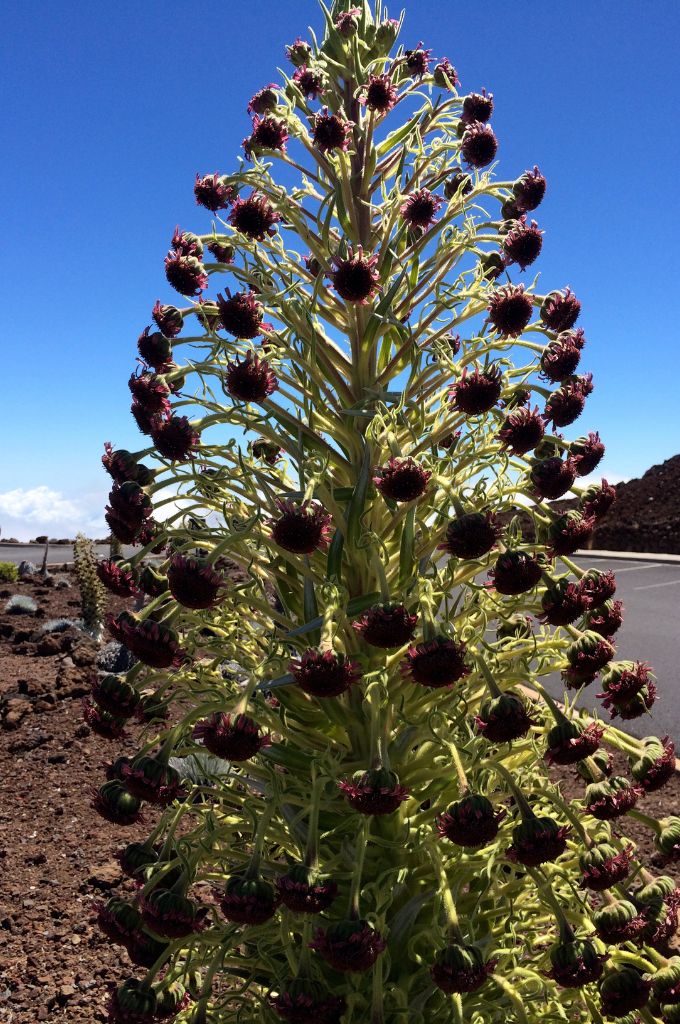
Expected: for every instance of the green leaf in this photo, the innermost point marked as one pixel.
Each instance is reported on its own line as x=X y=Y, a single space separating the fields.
x=356 y=505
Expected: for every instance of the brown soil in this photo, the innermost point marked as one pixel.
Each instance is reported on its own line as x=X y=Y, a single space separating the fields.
x=56 y=854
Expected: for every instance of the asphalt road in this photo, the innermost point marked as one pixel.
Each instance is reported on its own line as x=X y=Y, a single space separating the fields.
x=57 y=554
x=650 y=592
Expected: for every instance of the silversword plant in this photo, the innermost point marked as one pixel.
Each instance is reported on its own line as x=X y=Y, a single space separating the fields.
x=347 y=628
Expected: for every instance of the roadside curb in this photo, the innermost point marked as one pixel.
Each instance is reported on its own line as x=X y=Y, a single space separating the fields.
x=631 y=556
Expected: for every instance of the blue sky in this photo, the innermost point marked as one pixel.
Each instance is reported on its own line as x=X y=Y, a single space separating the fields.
x=109 y=110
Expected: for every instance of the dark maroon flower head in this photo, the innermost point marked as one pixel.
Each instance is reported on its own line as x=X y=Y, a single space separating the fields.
x=420 y=209
x=436 y=663
x=492 y=265
x=523 y=243
x=611 y=798
x=147 y=421
x=659 y=921
x=598 y=499
x=117 y=577
x=529 y=190
x=117 y=919
x=402 y=479
x=186 y=274
x=586 y=453
x=522 y=430
x=538 y=841
x=248 y=900
x=113 y=802
x=150 y=391
x=562 y=603
x=560 y=310
x=575 y=963
x=115 y=695
x=194 y=583
x=128 y=510
x=381 y=94
x=213 y=192
x=477 y=392
x=135 y=858
x=350 y=945
x=250 y=379
x=304 y=891
x=155 y=349
x=617 y=922
x=458 y=182
x=175 y=438
x=240 y=314
x=374 y=792
x=386 y=626
x=254 y=217
x=603 y=866
x=510 y=310
x=122 y=466
x=449 y=441
x=479 y=145
x=552 y=477
x=223 y=252
x=152 y=582
x=471 y=535
x=304 y=1002
x=268 y=135
x=568 y=742
x=560 y=359
x=171 y=915
x=299 y=52
x=515 y=572
x=418 y=61
x=597 y=587
x=310 y=82
x=264 y=449
x=461 y=968
x=470 y=821
x=570 y=532
x=168 y=319
x=622 y=683
x=133 y=1002
x=355 y=279
x=152 y=642
x=656 y=764
x=264 y=100
x=606 y=619
x=104 y=724
x=504 y=719
x=331 y=132
x=302 y=528
x=477 y=107
x=149 y=779
x=590 y=653
x=348 y=22
x=231 y=737
x=445 y=75
x=624 y=990
x=186 y=243
x=324 y=673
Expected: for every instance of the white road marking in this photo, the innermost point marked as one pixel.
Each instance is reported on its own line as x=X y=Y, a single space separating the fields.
x=635 y=568
x=650 y=586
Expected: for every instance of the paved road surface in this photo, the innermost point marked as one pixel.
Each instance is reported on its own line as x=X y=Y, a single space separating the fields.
x=650 y=592
x=57 y=555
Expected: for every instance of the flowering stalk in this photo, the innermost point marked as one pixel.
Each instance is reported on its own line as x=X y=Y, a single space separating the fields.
x=346 y=623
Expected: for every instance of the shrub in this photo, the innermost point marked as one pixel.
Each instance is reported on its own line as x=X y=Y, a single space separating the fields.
x=59 y=626
x=27 y=569
x=114 y=658
x=389 y=844
x=9 y=572
x=21 y=604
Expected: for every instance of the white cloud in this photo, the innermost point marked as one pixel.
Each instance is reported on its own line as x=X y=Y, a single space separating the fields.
x=28 y=512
